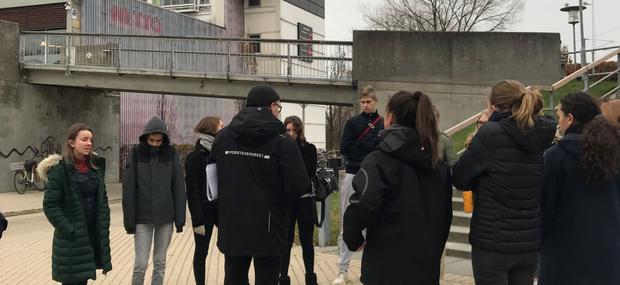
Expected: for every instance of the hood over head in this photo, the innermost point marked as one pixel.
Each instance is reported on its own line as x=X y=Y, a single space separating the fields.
x=255 y=126
x=404 y=144
x=538 y=138
x=572 y=144
x=155 y=125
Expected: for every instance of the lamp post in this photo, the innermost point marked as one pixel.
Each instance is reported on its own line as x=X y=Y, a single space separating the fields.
x=573 y=18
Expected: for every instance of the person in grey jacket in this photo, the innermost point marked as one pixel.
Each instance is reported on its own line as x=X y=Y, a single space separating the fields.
x=153 y=198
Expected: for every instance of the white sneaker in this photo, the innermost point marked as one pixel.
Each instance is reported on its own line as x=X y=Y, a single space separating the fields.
x=341 y=279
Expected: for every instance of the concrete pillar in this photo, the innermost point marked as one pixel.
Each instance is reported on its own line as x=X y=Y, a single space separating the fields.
x=9 y=51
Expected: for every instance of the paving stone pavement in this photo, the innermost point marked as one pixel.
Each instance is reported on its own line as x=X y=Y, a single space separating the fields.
x=25 y=252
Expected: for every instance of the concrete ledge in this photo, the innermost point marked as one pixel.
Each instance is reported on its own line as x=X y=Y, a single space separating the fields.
x=298 y=91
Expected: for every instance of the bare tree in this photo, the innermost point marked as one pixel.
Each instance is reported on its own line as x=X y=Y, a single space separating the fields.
x=336 y=117
x=443 y=15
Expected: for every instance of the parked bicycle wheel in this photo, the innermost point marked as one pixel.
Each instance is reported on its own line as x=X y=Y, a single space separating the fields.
x=20 y=182
x=39 y=183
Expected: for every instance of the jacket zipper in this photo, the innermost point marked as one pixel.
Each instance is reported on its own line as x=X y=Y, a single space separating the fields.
x=269 y=223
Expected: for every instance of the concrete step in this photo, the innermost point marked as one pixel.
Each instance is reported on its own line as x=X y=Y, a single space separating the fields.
x=462 y=250
x=460 y=218
x=459 y=234
x=457 y=203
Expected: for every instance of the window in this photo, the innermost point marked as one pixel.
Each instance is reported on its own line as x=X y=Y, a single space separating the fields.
x=254 y=46
x=253 y=3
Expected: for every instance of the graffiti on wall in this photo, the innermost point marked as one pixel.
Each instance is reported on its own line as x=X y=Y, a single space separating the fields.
x=46 y=147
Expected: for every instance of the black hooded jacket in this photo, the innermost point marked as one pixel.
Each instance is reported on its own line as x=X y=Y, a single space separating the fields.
x=260 y=173
x=405 y=205
x=153 y=184
x=504 y=168
x=355 y=150
x=581 y=221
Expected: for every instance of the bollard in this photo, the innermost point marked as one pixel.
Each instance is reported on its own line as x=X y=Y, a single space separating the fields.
x=326 y=229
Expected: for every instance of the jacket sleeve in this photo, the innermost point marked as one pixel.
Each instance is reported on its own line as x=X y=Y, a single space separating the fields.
x=178 y=186
x=52 y=201
x=292 y=170
x=194 y=180
x=473 y=162
x=551 y=189
x=348 y=142
x=129 y=193
x=312 y=164
x=370 y=189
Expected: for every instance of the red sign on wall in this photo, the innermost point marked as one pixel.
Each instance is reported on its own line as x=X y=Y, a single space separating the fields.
x=125 y=17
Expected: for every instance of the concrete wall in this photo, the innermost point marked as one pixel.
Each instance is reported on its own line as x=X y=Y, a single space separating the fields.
x=37 y=117
x=456 y=69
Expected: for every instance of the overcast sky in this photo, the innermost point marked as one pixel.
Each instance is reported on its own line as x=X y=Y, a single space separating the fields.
x=344 y=16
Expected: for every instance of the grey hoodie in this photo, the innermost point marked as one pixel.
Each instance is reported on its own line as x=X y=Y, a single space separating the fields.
x=153 y=184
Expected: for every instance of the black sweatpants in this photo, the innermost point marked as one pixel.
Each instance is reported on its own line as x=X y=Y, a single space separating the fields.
x=304 y=214
x=497 y=268
x=201 y=249
x=265 y=270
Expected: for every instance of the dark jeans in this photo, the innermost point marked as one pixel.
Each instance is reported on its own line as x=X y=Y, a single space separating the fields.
x=304 y=214
x=265 y=270
x=497 y=268
x=201 y=249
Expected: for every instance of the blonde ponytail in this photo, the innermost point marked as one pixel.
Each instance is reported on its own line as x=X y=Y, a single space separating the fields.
x=530 y=104
x=524 y=103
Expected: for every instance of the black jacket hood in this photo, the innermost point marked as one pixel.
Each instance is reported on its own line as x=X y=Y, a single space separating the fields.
x=572 y=144
x=255 y=126
x=155 y=125
x=404 y=144
x=536 y=139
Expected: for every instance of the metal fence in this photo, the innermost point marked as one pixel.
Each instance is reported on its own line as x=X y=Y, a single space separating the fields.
x=190 y=56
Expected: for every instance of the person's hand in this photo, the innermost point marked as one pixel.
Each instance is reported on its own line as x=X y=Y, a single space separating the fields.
x=200 y=230
x=361 y=246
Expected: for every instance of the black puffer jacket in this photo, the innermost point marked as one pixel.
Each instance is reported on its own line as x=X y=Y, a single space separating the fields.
x=196 y=185
x=355 y=150
x=405 y=205
x=260 y=173
x=504 y=168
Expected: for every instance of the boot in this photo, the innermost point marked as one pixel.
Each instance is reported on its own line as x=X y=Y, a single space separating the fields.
x=284 y=280
x=311 y=279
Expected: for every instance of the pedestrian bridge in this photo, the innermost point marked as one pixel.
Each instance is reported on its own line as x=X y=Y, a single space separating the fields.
x=302 y=71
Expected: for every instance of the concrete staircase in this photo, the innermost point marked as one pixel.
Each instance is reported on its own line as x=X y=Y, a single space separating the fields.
x=458 y=244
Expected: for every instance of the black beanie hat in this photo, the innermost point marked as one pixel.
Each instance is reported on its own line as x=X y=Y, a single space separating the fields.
x=261 y=96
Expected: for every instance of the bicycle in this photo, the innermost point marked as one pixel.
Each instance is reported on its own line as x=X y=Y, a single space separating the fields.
x=25 y=176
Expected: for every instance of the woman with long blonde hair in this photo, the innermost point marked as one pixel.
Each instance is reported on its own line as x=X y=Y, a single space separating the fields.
x=503 y=166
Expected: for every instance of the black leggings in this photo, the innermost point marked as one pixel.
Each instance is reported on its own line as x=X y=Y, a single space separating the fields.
x=201 y=248
x=265 y=270
x=304 y=213
x=497 y=268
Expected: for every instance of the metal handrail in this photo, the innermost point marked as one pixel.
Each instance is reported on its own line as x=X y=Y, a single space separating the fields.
x=582 y=71
x=554 y=87
x=324 y=42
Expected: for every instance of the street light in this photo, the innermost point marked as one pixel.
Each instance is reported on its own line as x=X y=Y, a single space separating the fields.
x=573 y=18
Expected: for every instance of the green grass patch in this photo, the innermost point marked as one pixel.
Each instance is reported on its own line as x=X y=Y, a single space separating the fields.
x=576 y=86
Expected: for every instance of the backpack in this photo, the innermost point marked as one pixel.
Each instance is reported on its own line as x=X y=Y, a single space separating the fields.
x=324 y=183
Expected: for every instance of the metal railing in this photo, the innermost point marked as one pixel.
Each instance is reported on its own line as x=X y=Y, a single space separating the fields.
x=559 y=84
x=585 y=70
x=188 y=56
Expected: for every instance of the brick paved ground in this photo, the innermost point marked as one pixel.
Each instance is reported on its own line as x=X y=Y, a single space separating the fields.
x=25 y=252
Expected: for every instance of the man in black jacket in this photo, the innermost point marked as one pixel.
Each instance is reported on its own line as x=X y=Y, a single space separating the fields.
x=260 y=172
x=359 y=137
x=153 y=198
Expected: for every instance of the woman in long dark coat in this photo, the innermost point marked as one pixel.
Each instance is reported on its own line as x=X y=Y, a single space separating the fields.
x=581 y=197
x=402 y=198
x=76 y=204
